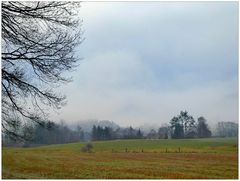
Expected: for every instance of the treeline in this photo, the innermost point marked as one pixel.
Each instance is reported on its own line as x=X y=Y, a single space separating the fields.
x=107 y=133
x=184 y=126
x=48 y=133
x=180 y=126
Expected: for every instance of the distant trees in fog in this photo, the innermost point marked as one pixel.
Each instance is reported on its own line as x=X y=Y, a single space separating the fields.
x=55 y=134
x=50 y=133
x=102 y=133
x=180 y=126
x=107 y=133
x=152 y=134
x=227 y=129
x=131 y=133
x=163 y=132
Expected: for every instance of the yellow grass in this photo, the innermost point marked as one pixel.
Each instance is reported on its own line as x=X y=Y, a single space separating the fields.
x=212 y=160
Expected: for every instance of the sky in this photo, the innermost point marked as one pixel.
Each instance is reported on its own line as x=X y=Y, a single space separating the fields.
x=144 y=62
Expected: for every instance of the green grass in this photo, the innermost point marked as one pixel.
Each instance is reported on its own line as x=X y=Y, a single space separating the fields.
x=198 y=158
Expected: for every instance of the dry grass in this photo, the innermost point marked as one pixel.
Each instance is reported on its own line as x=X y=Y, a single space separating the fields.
x=67 y=161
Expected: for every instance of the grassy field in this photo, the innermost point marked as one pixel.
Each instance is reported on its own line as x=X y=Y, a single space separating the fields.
x=198 y=158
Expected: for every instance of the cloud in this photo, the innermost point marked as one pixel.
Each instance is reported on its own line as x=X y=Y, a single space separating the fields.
x=107 y=91
x=145 y=62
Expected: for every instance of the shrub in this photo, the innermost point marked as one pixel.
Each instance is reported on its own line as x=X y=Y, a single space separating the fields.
x=87 y=148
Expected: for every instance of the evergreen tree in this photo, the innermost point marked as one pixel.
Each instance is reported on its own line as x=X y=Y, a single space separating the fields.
x=94 y=133
x=202 y=128
x=176 y=128
x=139 y=134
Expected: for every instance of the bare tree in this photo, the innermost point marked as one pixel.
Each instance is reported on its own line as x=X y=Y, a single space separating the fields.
x=227 y=129
x=38 y=42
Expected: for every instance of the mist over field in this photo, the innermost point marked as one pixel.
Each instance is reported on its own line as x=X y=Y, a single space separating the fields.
x=145 y=62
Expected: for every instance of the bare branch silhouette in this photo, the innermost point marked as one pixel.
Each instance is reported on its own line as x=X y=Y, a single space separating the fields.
x=38 y=42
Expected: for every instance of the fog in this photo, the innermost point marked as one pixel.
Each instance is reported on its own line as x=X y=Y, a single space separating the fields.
x=144 y=62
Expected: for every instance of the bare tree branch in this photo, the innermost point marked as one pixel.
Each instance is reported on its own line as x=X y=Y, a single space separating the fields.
x=38 y=42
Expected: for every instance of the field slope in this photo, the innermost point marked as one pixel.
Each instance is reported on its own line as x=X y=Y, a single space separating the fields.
x=191 y=158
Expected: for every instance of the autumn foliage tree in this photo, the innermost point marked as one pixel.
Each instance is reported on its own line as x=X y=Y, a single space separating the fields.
x=38 y=42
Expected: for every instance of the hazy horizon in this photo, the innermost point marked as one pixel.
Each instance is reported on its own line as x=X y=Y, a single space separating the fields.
x=144 y=62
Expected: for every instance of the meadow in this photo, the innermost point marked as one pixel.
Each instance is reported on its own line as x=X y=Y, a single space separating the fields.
x=212 y=158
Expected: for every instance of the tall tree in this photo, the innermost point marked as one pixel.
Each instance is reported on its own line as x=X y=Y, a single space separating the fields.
x=139 y=134
x=131 y=134
x=80 y=133
x=177 y=128
x=99 y=133
x=183 y=126
x=202 y=128
x=188 y=124
x=38 y=41
x=94 y=133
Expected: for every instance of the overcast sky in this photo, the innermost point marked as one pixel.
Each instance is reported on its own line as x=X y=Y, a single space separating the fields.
x=144 y=62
